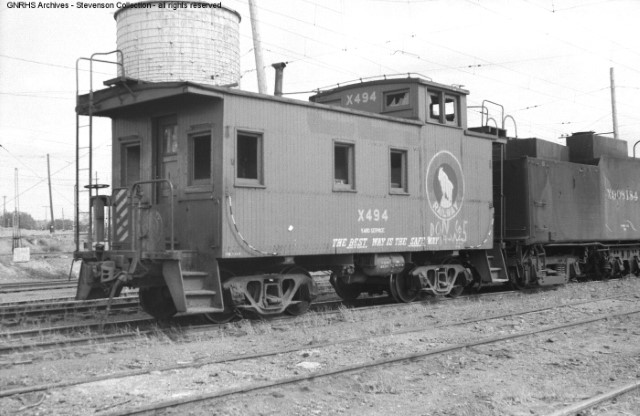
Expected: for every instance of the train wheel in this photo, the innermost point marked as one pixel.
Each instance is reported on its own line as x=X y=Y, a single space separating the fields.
x=303 y=295
x=403 y=288
x=517 y=278
x=157 y=302
x=225 y=316
x=229 y=312
x=458 y=286
x=345 y=291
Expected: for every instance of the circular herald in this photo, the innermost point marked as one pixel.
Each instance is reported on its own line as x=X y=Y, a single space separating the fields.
x=445 y=185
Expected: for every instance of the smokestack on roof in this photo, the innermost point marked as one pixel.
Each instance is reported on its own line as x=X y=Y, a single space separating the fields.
x=279 y=67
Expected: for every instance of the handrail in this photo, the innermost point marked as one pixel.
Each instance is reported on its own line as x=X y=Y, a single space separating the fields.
x=136 y=185
x=515 y=126
x=376 y=77
x=482 y=112
x=496 y=104
x=634 y=148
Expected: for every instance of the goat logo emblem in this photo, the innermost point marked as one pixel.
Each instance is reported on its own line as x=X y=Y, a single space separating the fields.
x=445 y=185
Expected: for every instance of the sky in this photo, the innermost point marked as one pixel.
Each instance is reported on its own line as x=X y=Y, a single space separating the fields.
x=547 y=62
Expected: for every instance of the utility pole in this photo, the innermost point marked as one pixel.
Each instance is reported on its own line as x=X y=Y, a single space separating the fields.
x=257 y=47
x=613 y=104
x=52 y=227
x=4 y=211
x=17 y=240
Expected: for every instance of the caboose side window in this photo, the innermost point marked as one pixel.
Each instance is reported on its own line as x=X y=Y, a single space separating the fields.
x=130 y=166
x=344 y=178
x=451 y=109
x=170 y=138
x=200 y=161
x=395 y=100
x=249 y=158
x=444 y=108
x=398 y=170
x=434 y=106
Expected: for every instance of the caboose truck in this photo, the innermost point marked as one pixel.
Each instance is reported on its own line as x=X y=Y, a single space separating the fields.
x=226 y=200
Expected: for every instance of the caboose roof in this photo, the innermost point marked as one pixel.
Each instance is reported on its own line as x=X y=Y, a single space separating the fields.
x=404 y=79
x=125 y=96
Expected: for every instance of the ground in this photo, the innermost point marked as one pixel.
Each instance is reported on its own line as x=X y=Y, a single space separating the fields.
x=51 y=255
x=530 y=375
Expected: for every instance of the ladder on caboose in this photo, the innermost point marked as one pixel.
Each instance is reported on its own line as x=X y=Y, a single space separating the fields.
x=84 y=148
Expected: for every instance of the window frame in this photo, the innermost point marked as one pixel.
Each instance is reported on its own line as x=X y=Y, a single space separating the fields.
x=456 y=107
x=442 y=117
x=350 y=186
x=403 y=189
x=192 y=182
x=257 y=182
x=125 y=144
x=388 y=108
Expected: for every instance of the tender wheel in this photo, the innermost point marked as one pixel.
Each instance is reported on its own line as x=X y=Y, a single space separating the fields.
x=303 y=295
x=404 y=288
x=517 y=278
x=157 y=302
x=345 y=291
x=229 y=312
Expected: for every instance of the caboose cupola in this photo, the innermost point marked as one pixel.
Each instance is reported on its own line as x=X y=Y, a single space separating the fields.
x=412 y=97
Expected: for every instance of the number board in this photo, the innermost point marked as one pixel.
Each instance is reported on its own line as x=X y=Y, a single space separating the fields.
x=367 y=99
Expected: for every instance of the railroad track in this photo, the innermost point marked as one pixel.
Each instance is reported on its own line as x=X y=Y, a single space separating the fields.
x=592 y=402
x=359 y=367
x=103 y=330
x=332 y=309
x=339 y=342
x=15 y=287
x=30 y=339
x=63 y=306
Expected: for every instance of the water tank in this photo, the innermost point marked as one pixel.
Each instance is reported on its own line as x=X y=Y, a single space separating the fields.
x=195 y=41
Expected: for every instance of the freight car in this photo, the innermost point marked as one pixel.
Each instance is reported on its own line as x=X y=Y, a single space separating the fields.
x=226 y=200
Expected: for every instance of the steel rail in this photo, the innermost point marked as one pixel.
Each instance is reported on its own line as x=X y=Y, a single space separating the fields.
x=34 y=288
x=264 y=354
x=354 y=367
x=65 y=328
x=45 y=309
x=34 y=283
x=596 y=400
x=68 y=301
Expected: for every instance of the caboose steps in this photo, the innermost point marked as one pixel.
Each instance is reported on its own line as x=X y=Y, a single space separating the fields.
x=193 y=280
x=199 y=299
x=196 y=293
x=490 y=265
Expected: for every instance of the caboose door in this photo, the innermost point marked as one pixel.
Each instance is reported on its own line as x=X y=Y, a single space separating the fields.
x=165 y=167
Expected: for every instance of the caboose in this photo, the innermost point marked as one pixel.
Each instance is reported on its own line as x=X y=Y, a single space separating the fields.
x=225 y=200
